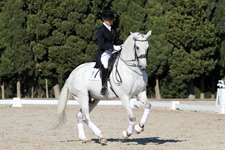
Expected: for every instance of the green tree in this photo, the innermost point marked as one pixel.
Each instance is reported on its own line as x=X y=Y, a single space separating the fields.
x=4 y=64
x=17 y=54
x=173 y=88
x=130 y=16
x=192 y=34
x=63 y=35
x=219 y=20
x=40 y=28
x=159 y=48
x=74 y=37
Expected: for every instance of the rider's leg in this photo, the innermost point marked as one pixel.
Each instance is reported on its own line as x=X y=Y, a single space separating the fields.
x=105 y=59
x=104 y=80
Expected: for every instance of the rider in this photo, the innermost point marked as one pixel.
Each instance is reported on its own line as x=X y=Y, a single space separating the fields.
x=108 y=43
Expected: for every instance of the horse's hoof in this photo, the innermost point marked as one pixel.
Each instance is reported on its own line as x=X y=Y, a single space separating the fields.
x=86 y=140
x=103 y=141
x=125 y=135
x=138 y=128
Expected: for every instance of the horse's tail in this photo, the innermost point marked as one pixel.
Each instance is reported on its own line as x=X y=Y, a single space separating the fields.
x=63 y=97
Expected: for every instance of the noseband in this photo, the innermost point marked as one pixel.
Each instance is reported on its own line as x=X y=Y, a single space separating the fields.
x=135 y=47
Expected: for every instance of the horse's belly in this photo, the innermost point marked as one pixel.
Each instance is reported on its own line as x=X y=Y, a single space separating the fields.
x=94 y=88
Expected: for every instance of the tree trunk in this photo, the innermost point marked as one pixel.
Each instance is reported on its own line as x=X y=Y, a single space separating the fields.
x=18 y=89
x=157 y=91
x=202 y=95
x=191 y=90
x=3 y=90
x=213 y=88
x=56 y=90
x=39 y=91
x=46 y=87
x=32 y=92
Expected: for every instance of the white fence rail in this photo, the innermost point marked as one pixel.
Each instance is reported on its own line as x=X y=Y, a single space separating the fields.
x=173 y=105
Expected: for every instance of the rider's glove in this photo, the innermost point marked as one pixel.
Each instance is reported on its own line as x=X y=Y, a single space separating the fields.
x=117 y=47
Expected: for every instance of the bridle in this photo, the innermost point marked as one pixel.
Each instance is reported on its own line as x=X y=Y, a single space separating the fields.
x=135 y=49
x=136 y=57
x=118 y=81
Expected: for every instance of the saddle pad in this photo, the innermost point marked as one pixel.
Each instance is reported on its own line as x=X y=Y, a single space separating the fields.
x=95 y=74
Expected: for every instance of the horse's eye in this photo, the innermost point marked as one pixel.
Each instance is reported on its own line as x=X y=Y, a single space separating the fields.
x=137 y=48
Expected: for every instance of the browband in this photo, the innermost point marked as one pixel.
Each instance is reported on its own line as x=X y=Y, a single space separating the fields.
x=141 y=40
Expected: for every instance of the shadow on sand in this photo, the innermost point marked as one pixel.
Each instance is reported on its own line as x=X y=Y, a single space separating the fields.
x=141 y=141
x=135 y=141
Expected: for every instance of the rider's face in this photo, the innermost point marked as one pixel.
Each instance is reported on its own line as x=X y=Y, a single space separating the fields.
x=108 y=22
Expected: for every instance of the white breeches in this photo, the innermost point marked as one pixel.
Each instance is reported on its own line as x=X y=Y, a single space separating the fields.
x=105 y=58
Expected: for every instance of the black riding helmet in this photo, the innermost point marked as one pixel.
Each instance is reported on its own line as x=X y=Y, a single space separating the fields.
x=107 y=15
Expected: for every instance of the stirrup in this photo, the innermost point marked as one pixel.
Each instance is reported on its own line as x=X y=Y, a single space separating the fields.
x=103 y=90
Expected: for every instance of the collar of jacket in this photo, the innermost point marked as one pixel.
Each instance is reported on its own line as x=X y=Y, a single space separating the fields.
x=108 y=27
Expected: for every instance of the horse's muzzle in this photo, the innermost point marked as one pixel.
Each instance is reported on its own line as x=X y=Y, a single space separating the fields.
x=142 y=67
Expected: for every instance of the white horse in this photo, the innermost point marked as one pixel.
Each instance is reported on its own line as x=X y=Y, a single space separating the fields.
x=127 y=79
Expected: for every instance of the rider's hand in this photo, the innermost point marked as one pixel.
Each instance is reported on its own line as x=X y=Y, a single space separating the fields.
x=117 y=47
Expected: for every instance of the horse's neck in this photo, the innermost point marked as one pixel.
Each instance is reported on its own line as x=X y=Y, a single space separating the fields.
x=128 y=58
x=128 y=49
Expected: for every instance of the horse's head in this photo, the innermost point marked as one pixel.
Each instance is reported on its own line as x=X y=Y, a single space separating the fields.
x=141 y=48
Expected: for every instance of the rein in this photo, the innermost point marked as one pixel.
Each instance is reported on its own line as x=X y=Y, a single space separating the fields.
x=117 y=74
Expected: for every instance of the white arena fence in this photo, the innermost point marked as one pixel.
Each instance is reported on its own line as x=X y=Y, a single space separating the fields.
x=172 y=105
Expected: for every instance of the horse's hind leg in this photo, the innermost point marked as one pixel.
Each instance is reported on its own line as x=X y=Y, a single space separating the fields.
x=80 y=120
x=84 y=115
x=143 y=98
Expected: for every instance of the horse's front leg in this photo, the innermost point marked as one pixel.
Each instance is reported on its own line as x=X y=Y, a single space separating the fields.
x=132 y=119
x=143 y=98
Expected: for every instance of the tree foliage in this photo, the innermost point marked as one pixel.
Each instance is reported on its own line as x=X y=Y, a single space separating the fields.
x=192 y=34
x=43 y=39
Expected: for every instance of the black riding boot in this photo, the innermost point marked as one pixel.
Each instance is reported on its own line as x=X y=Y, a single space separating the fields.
x=104 y=81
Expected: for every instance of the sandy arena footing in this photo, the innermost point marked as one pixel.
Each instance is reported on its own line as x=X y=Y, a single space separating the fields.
x=26 y=128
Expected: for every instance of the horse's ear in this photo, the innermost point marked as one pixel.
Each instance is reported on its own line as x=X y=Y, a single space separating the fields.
x=148 y=34
x=133 y=35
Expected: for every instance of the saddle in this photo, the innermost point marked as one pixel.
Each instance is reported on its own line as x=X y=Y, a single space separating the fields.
x=95 y=71
x=112 y=61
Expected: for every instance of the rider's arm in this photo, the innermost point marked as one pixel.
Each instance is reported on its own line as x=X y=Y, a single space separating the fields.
x=117 y=41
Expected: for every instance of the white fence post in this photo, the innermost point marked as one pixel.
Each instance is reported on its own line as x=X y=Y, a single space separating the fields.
x=220 y=97
x=174 y=106
x=221 y=109
x=16 y=102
